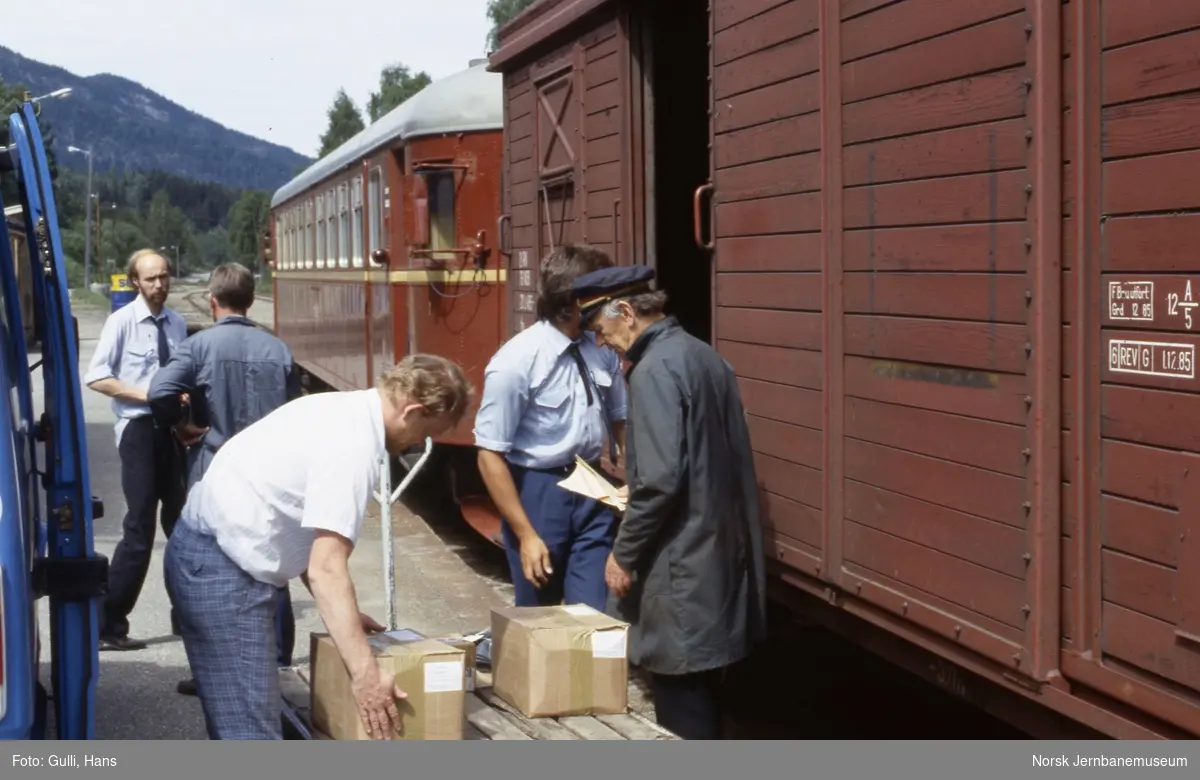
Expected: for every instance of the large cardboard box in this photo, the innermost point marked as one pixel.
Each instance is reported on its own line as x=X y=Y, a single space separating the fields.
x=430 y=672
x=556 y=661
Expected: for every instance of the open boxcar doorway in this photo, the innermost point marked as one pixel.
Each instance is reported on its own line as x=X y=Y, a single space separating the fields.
x=672 y=49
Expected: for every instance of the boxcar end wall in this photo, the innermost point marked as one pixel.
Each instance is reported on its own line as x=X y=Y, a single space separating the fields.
x=951 y=246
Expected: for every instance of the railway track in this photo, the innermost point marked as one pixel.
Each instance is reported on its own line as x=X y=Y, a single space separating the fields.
x=191 y=301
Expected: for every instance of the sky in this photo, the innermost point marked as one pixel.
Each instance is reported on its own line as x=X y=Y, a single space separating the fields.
x=269 y=68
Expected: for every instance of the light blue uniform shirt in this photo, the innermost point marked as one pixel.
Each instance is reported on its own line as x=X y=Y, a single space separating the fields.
x=128 y=351
x=534 y=408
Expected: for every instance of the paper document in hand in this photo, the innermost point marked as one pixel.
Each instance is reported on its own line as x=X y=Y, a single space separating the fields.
x=586 y=481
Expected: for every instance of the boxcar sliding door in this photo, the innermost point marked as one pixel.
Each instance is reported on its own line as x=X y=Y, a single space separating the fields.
x=886 y=202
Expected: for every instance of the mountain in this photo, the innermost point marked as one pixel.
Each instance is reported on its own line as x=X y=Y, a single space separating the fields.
x=133 y=128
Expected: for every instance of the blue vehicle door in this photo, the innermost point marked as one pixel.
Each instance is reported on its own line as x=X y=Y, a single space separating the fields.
x=19 y=705
x=70 y=574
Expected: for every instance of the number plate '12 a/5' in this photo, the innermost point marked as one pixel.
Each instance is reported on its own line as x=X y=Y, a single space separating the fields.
x=1150 y=358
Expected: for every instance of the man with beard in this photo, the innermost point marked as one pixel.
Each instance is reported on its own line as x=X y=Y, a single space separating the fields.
x=229 y=376
x=687 y=566
x=136 y=340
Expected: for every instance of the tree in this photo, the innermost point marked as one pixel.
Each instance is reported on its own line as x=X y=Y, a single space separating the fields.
x=247 y=221
x=345 y=122
x=501 y=12
x=11 y=98
x=396 y=85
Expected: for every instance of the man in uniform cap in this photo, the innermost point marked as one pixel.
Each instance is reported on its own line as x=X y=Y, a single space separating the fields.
x=551 y=395
x=687 y=569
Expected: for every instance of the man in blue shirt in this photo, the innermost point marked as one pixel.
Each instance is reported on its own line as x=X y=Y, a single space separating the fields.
x=136 y=340
x=231 y=374
x=550 y=394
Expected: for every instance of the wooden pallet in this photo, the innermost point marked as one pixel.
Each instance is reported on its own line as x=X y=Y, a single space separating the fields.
x=490 y=717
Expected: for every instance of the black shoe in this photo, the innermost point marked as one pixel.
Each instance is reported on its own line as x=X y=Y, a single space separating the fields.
x=187 y=687
x=121 y=643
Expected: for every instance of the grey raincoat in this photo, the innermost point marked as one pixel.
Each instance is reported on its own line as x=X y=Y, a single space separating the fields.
x=691 y=534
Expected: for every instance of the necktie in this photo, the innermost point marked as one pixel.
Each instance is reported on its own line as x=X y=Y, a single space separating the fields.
x=577 y=356
x=164 y=349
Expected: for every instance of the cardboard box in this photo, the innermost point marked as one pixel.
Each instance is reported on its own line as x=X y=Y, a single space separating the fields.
x=556 y=661
x=430 y=672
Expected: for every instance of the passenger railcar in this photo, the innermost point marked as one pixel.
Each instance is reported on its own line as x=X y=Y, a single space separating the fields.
x=947 y=247
x=387 y=245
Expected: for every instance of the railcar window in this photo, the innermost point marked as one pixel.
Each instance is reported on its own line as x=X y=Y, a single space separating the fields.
x=375 y=198
x=331 y=243
x=343 y=228
x=280 y=259
x=356 y=228
x=320 y=231
x=441 y=214
x=305 y=224
x=310 y=244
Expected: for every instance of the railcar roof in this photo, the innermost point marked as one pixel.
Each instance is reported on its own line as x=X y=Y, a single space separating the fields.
x=470 y=100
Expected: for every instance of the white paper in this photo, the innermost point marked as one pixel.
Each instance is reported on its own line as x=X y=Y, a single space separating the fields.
x=586 y=481
x=442 y=676
x=609 y=643
x=579 y=609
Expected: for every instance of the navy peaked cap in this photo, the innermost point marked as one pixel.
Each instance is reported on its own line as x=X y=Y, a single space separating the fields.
x=597 y=288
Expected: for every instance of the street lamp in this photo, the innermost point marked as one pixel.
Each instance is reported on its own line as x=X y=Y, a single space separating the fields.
x=62 y=92
x=87 y=246
x=58 y=93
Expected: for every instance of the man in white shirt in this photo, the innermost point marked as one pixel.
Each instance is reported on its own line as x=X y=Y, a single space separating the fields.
x=285 y=498
x=136 y=341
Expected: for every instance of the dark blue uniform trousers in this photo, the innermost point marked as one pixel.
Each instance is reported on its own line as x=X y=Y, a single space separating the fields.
x=576 y=530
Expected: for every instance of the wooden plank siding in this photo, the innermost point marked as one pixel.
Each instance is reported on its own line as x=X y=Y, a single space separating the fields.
x=933 y=313
x=548 y=211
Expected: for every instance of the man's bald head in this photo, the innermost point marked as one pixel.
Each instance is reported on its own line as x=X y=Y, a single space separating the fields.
x=150 y=274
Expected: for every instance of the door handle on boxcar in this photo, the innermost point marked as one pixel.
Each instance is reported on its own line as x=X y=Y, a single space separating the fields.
x=699 y=230
x=501 y=247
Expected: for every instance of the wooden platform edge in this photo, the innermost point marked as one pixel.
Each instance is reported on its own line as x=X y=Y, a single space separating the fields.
x=489 y=717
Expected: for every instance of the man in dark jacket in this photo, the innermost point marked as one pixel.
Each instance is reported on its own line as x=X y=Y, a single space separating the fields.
x=687 y=566
x=231 y=375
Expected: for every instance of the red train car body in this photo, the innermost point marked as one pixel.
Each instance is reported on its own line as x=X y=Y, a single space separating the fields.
x=386 y=246
x=947 y=246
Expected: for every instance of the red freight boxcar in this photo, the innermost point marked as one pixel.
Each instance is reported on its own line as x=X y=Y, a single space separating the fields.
x=382 y=247
x=947 y=247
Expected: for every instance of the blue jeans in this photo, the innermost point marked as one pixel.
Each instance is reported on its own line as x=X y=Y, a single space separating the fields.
x=228 y=621
x=577 y=531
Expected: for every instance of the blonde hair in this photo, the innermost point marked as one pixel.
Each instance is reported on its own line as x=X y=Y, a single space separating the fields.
x=131 y=268
x=432 y=381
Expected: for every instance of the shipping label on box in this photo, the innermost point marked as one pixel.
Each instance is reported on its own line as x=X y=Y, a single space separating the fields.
x=431 y=673
x=557 y=661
